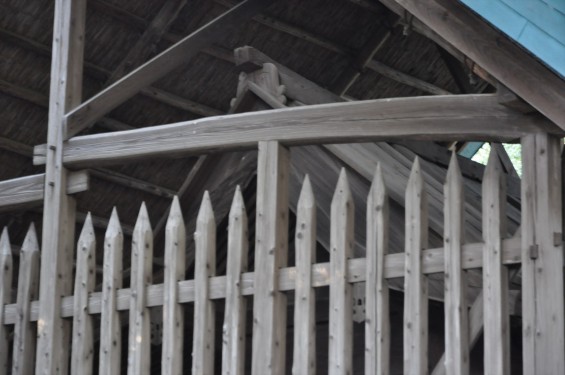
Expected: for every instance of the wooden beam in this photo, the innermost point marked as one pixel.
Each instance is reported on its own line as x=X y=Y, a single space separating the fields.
x=59 y=208
x=443 y=118
x=500 y=56
x=29 y=190
x=99 y=105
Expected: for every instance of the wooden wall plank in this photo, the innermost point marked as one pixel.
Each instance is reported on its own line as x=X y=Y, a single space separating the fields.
x=542 y=255
x=82 y=353
x=5 y=294
x=495 y=274
x=173 y=312
x=204 y=309
x=456 y=314
x=415 y=118
x=304 y=348
x=111 y=335
x=25 y=334
x=415 y=283
x=377 y=322
x=58 y=230
x=271 y=252
x=341 y=301
x=233 y=342
x=139 y=338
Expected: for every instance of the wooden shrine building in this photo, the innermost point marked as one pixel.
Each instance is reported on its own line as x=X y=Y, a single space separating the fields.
x=281 y=187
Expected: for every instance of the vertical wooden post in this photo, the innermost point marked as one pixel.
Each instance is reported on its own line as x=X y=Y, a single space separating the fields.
x=341 y=300
x=304 y=354
x=271 y=252
x=28 y=287
x=233 y=343
x=173 y=312
x=111 y=335
x=58 y=209
x=204 y=267
x=377 y=322
x=85 y=280
x=5 y=294
x=139 y=339
x=415 y=283
x=542 y=256
x=456 y=315
x=495 y=274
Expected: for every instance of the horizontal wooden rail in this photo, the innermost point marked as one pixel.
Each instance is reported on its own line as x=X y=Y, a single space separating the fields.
x=433 y=262
x=438 y=118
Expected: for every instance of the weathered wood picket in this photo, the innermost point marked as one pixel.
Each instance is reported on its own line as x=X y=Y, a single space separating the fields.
x=271 y=279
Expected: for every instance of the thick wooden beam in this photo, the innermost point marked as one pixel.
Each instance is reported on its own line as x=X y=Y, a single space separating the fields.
x=29 y=190
x=500 y=56
x=443 y=118
x=99 y=105
x=59 y=208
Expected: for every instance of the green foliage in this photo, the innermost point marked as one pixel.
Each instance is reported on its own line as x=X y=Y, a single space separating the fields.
x=514 y=151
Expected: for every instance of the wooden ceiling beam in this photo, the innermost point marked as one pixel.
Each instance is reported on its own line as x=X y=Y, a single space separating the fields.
x=503 y=58
x=96 y=107
x=439 y=118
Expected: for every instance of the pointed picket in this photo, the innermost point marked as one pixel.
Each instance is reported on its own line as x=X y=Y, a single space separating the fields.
x=341 y=308
x=456 y=315
x=495 y=274
x=85 y=280
x=139 y=338
x=233 y=341
x=173 y=312
x=204 y=267
x=415 y=283
x=377 y=321
x=5 y=294
x=110 y=334
x=304 y=356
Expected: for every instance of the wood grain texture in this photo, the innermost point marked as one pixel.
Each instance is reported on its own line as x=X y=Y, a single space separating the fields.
x=304 y=347
x=234 y=328
x=495 y=274
x=82 y=353
x=341 y=299
x=271 y=253
x=438 y=118
x=456 y=312
x=102 y=103
x=415 y=283
x=204 y=309
x=6 y=270
x=497 y=54
x=139 y=338
x=111 y=335
x=173 y=312
x=542 y=273
x=377 y=321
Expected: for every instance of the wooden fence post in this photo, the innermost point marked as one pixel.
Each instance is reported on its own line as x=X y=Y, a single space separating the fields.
x=233 y=343
x=415 y=283
x=455 y=303
x=204 y=267
x=377 y=322
x=25 y=334
x=341 y=300
x=5 y=294
x=111 y=335
x=85 y=280
x=495 y=274
x=139 y=340
x=542 y=256
x=173 y=312
x=271 y=252
x=304 y=349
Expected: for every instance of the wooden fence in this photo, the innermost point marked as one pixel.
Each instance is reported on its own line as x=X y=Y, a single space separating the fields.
x=270 y=280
